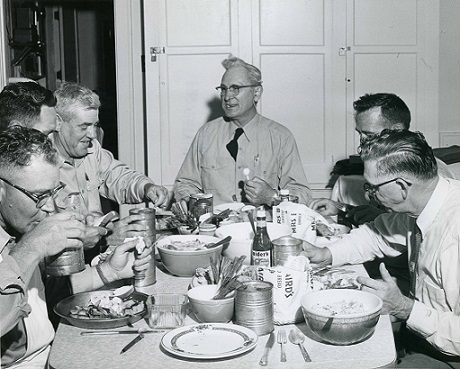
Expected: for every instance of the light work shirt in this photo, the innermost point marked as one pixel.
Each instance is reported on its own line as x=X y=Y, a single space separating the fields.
x=436 y=312
x=100 y=174
x=267 y=149
x=20 y=302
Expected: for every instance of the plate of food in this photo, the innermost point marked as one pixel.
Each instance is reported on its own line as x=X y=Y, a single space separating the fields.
x=209 y=341
x=103 y=309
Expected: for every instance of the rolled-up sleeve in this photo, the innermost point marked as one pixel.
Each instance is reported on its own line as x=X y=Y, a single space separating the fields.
x=13 y=296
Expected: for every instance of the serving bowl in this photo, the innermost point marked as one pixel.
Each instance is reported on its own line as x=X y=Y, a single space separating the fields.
x=341 y=317
x=242 y=235
x=183 y=263
x=63 y=308
x=206 y=309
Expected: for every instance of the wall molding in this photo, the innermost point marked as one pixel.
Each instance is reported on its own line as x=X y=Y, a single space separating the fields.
x=449 y=138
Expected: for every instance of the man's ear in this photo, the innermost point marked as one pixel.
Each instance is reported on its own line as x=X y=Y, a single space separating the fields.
x=404 y=188
x=258 y=93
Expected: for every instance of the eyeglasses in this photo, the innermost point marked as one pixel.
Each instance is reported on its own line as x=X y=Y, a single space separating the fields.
x=40 y=200
x=234 y=89
x=373 y=189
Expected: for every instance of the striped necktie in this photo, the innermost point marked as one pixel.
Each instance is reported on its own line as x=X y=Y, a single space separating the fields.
x=413 y=264
x=232 y=146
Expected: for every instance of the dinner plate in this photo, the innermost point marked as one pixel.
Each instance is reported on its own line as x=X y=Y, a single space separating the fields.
x=209 y=341
x=235 y=206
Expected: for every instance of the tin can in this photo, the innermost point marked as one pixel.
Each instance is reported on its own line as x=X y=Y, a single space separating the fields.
x=149 y=235
x=200 y=204
x=284 y=247
x=68 y=261
x=254 y=306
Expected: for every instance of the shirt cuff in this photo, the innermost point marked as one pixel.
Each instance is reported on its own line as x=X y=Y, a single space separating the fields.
x=422 y=319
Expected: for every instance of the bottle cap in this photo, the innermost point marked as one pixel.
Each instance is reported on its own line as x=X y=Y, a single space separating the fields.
x=284 y=192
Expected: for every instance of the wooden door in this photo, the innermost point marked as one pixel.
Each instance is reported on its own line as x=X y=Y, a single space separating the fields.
x=316 y=58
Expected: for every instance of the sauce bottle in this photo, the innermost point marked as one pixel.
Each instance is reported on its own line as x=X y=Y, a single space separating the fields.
x=262 y=247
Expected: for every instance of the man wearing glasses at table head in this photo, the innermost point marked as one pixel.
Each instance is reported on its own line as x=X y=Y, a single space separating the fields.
x=402 y=175
x=29 y=232
x=242 y=139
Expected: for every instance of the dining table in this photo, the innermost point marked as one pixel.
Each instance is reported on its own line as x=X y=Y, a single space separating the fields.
x=72 y=350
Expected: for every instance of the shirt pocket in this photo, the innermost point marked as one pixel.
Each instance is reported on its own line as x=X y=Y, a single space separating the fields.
x=216 y=172
x=435 y=294
x=268 y=171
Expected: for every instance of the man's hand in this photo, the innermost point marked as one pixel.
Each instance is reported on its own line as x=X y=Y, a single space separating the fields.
x=52 y=235
x=259 y=192
x=318 y=256
x=159 y=195
x=125 y=228
x=363 y=214
x=394 y=302
x=323 y=206
x=123 y=262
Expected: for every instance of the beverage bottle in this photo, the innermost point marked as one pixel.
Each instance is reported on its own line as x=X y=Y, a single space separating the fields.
x=284 y=194
x=262 y=247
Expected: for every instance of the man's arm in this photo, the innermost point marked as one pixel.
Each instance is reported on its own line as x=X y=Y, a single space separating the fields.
x=188 y=179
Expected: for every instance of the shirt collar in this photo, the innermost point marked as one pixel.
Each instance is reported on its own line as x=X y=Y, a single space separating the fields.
x=5 y=238
x=432 y=208
x=250 y=128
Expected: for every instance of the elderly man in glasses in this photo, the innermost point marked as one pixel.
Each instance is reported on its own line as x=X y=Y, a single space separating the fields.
x=30 y=231
x=402 y=175
x=242 y=156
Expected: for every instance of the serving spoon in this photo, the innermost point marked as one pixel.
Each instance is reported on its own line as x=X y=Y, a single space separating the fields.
x=297 y=338
x=218 y=243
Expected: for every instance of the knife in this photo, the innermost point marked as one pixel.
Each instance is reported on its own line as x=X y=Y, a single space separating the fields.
x=271 y=340
x=132 y=343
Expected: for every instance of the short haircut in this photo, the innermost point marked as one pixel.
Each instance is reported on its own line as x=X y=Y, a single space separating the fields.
x=254 y=73
x=72 y=96
x=400 y=151
x=393 y=109
x=18 y=145
x=22 y=102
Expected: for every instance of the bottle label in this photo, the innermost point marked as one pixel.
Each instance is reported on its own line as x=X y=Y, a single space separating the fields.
x=262 y=258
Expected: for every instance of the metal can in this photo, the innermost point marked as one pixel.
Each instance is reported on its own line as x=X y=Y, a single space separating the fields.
x=148 y=277
x=254 y=306
x=200 y=204
x=68 y=261
x=284 y=247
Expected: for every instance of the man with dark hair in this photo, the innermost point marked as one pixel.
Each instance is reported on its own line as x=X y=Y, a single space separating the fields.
x=30 y=232
x=28 y=104
x=242 y=156
x=401 y=174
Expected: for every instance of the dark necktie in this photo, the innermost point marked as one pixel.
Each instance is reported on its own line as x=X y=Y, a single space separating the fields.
x=232 y=146
x=413 y=264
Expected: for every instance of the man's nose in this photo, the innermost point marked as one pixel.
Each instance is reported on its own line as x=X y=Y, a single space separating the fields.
x=92 y=132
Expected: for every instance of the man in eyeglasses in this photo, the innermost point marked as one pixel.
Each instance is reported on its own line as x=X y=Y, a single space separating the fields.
x=30 y=231
x=242 y=139
x=401 y=174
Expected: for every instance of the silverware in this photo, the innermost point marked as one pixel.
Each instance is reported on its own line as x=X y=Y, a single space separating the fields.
x=132 y=343
x=109 y=333
x=340 y=206
x=297 y=338
x=218 y=243
x=282 y=340
x=271 y=341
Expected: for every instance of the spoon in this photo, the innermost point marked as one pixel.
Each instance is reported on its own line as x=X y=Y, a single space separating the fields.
x=297 y=338
x=218 y=243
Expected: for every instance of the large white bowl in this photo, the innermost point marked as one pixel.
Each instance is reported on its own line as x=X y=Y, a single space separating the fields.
x=346 y=328
x=184 y=263
x=242 y=236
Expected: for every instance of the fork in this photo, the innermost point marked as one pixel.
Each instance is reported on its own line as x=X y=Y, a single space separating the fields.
x=282 y=339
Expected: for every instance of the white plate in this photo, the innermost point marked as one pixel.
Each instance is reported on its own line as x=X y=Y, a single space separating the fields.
x=236 y=206
x=209 y=341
